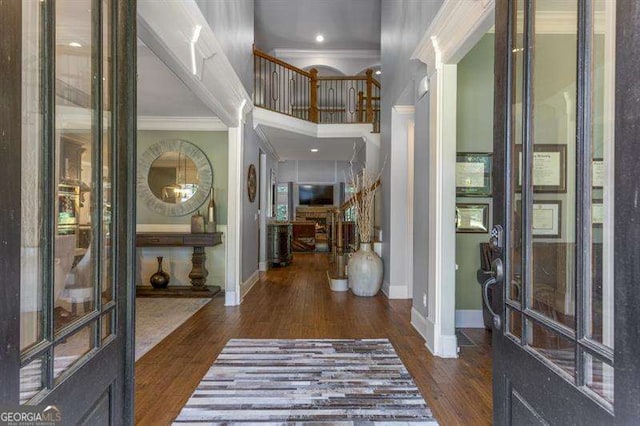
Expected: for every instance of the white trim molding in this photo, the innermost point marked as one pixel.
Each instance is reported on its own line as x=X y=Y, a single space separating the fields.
x=419 y=323
x=457 y=27
x=202 y=124
x=265 y=118
x=246 y=286
x=469 y=318
x=447 y=344
x=234 y=212
x=180 y=36
x=400 y=233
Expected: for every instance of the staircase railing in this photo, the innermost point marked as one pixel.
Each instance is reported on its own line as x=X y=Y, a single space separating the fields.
x=284 y=88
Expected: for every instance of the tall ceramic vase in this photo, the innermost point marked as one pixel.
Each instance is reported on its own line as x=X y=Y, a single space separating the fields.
x=365 y=271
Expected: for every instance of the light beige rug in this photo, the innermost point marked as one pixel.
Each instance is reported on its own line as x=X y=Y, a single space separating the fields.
x=156 y=318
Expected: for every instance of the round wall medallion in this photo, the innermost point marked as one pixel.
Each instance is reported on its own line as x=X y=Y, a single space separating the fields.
x=252 y=183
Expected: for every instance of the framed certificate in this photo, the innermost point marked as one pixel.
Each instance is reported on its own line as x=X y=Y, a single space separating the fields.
x=546 y=219
x=549 y=168
x=597 y=173
x=472 y=218
x=597 y=213
x=473 y=174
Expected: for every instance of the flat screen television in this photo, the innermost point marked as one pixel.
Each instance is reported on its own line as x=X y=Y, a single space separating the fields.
x=316 y=195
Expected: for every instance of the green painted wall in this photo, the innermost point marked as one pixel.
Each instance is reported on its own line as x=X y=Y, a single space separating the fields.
x=215 y=146
x=474 y=134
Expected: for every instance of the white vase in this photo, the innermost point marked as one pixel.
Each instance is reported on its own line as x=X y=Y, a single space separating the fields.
x=365 y=271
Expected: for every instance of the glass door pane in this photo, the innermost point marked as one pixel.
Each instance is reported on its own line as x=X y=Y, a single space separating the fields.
x=32 y=182
x=551 y=290
x=599 y=293
x=76 y=148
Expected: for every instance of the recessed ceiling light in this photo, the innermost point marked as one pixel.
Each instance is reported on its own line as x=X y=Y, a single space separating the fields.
x=314 y=149
x=75 y=44
x=378 y=72
x=319 y=38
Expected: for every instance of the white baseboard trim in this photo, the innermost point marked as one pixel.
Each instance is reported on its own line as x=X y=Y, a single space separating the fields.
x=419 y=323
x=263 y=267
x=230 y=298
x=395 y=291
x=246 y=286
x=447 y=347
x=469 y=318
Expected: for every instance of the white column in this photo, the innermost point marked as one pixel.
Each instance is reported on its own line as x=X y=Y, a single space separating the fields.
x=441 y=339
x=400 y=232
x=234 y=215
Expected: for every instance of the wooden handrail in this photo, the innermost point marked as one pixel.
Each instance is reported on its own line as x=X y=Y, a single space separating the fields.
x=268 y=57
x=344 y=77
x=356 y=197
x=287 y=89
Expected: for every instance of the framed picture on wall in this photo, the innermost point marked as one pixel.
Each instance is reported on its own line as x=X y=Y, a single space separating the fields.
x=549 y=168
x=597 y=173
x=473 y=174
x=546 y=222
x=472 y=218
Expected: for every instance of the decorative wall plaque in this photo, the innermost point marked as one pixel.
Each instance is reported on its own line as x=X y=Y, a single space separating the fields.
x=252 y=183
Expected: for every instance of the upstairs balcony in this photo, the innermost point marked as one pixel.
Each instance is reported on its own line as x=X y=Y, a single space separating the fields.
x=286 y=89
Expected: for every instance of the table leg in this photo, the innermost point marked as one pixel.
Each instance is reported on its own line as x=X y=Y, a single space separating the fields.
x=199 y=271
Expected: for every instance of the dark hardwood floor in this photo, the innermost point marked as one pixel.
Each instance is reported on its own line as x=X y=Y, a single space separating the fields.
x=295 y=302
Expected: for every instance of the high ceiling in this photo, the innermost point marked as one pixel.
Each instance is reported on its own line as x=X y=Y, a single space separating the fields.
x=294 y=24
x=294 y=146
x=161 y=92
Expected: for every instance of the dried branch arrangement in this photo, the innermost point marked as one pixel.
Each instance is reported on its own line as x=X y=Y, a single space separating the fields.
x=365 y=185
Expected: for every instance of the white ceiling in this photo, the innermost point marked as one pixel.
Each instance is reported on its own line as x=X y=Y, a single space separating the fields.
x=293 y=24
x=293 y=146
x=161 y=92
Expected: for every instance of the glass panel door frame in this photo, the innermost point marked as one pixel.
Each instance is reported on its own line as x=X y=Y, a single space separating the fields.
x=106 y=373
x=514 y=367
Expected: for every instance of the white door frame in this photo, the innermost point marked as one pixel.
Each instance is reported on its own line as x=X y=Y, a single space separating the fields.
x=400 y=284
x=457 y=27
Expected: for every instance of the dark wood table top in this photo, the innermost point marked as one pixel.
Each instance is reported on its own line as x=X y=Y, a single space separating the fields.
x=177 y=239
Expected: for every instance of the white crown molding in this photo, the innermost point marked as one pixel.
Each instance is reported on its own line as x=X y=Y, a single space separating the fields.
x=327 y=53
x=202 y=124
x=454 y=31
x=181 y=37
x=267 y=143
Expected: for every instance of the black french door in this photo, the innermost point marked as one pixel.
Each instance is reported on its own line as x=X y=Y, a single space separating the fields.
x=67 y=133
x=566 y=146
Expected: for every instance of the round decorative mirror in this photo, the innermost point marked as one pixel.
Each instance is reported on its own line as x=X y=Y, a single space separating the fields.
x=174 y=177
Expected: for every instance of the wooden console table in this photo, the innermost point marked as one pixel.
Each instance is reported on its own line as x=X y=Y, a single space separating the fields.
x=199 y=272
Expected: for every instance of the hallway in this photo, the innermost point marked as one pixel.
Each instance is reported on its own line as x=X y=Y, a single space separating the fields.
x=296 y=302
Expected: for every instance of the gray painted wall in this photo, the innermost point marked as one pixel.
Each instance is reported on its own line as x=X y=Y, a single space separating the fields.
x=232 y=22
x=421 y=206
x=403 y=25
x=474 y=130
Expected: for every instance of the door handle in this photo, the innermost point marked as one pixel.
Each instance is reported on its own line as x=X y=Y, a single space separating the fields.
x=496 y=277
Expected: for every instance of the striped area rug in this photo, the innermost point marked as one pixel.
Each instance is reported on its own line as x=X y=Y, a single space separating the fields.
x=295 y=381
